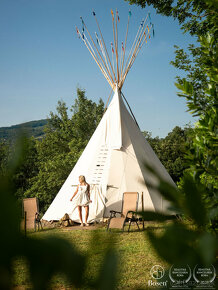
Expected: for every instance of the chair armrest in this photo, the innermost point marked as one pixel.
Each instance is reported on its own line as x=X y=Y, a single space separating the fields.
x=37 y=216
x=114 y=212
x=132 y=212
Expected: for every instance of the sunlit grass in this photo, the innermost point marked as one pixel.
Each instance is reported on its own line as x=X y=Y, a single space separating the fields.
x=135 y=252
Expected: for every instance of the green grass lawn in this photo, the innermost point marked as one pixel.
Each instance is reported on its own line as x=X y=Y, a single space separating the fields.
x=135 y=252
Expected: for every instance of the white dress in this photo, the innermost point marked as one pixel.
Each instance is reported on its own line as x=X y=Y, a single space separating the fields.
x=82 y=198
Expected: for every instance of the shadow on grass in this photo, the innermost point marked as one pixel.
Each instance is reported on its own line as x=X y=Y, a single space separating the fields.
x=154 y=228
x=42 y=231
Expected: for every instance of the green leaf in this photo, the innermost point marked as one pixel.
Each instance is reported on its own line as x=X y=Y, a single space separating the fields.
x=176 y=245
x=194 y=206
x=207 y=248
x=108 y=274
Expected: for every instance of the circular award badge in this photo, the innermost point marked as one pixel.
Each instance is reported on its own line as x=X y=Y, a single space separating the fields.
x=204 y=275
x=180 y=275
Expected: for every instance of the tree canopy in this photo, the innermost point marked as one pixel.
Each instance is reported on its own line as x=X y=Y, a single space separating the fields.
x=194 y=16
x=65 y=139
x=171 y=150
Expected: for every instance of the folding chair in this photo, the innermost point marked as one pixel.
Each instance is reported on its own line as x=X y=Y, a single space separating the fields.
x=127 y=214
x=31 y=213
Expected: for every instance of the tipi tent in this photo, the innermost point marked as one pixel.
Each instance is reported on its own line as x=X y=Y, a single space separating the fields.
x=113 y=161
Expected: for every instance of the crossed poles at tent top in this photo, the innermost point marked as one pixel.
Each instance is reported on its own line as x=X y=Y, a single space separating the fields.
x=116 y=68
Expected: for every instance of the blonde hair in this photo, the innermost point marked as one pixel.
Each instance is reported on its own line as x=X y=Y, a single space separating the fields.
x=82 y=178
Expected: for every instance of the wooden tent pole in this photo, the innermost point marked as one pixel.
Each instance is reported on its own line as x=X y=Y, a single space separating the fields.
x=121 y=56
x=109 y=73
x=142 y=41
x=140 y=27
x=143 y=221
x=112 y=56
x=104 y=46
x=139 y=32
x=114 y=36
x=99 y=65
x=117 y=60
x=121 y=68
x=103 y=53
x=95 y=57
x=135 y=53
x=141 y=35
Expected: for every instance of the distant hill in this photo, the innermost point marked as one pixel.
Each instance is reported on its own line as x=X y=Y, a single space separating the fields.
x=32 y=128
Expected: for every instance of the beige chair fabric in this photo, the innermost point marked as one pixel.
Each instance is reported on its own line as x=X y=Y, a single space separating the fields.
x=129 y=206
x=31 y=208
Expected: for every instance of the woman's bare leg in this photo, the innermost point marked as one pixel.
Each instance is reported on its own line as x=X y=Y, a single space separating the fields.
x=87 y=213
x=80 y=214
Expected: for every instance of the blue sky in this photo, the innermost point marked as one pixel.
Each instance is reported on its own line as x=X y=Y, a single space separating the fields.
x=42 y=61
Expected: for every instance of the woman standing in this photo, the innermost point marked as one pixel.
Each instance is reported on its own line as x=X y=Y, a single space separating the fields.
x=82 y=199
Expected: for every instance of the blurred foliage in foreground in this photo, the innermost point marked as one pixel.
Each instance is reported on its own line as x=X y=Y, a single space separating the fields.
x=202 y=154
x=184 y=243
x=45 y=257
x=196 y=198
x=180 y=243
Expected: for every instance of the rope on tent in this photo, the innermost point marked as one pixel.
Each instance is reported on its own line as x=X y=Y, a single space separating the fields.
x=105 y=108
x=130 y=110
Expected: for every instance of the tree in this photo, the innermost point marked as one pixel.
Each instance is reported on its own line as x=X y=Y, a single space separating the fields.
x=194 y=16
x=25 y=172
x=65 y=139
x=191 y=63
x=202 y=154
x=197 y=18
x=171 y=150
x=28 y=169
x=4 y=154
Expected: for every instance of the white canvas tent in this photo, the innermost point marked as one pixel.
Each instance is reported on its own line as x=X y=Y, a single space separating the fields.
x=113 y=163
